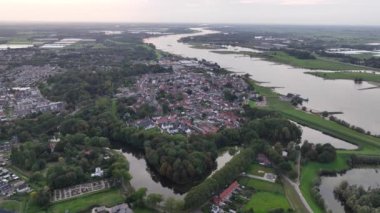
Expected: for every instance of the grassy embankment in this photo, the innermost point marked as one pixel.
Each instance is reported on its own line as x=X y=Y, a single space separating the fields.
x=368 y=145
x=314 y=64
x=365 y=76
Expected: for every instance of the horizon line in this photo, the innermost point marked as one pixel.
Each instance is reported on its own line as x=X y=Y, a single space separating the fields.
x=184 y=23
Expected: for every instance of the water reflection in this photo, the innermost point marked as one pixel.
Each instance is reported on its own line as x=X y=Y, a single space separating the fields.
x=366 y=177
x=144 y=176
x=317 y=137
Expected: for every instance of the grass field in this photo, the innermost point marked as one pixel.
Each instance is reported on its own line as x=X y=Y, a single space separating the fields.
x=11 y=205
x=262 y=202
x=365 y=76
x=255 y=169
x=313 y=64
x=267 y=196
x=142 y=210
x=260 y=185
x=107 y=198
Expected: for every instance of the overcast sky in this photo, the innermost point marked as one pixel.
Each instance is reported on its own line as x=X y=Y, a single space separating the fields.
x=347 y=12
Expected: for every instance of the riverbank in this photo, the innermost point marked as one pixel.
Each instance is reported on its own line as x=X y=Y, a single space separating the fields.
x=283 y=58
x=356 y=76
x=368 y=145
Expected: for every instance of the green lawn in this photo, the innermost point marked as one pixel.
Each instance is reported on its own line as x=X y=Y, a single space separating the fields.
x=319 y=63
x=255 y=169
x=11 y=205
x=142 y=210
x=261 y=185
x=262 y=202
x=252 y=103
x=107 y=198
x=365 y=76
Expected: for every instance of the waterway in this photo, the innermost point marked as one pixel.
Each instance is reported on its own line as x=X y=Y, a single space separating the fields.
x=317 y=137
x=360 y=107
x=366 y=177
x=145 y=176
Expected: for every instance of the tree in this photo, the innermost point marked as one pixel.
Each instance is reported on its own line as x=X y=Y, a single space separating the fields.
x=137 y=197
x=173 y=205
x=42 y=198
x=153 y=199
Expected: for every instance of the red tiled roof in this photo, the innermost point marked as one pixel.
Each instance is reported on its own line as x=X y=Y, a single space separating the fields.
x=226 y=193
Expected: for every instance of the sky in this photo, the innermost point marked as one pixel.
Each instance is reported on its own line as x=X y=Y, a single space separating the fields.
x=324 y=12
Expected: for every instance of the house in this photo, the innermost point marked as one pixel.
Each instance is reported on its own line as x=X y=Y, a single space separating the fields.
x=226 y=194
x=98 y=172
x=146 y=124
x=23 y=188
x=270 y=177
x=263 y=160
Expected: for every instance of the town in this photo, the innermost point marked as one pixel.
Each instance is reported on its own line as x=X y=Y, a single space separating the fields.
x=186 y=101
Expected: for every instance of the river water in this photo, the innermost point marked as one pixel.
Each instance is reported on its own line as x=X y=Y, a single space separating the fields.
x=360 y=107
x=278 y=75
x=144 y=176
x=366 y=177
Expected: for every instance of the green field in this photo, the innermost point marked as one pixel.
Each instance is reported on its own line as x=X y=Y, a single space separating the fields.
x=313 y=64
x=255 y=169
x=267 y=196
x=263 y=202
x=107 y=198
x=11 y=205
x=142 y=210
x=284 y=58
x=260 y=185
x=365 y=76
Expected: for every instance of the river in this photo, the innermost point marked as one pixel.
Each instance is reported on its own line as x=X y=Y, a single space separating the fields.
x=144 y=176
x=359 y=106
x=366 y=177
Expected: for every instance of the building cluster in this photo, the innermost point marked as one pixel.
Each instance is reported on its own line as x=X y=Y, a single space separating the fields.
x=27 y=75
x=270 y=42
x=21 y=101
x=82 y=189
x=188 y=101
x=11 y=184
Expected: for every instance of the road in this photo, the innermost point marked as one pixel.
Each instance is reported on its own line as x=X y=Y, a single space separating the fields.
x=299 y=193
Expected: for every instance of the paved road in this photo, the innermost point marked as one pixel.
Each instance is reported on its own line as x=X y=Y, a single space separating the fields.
x=297 y=189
